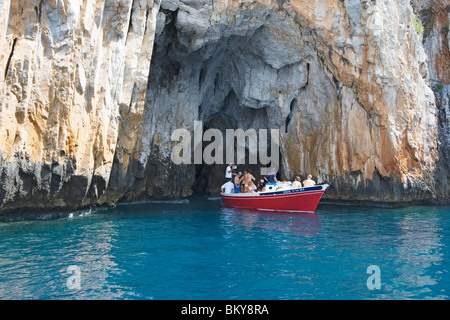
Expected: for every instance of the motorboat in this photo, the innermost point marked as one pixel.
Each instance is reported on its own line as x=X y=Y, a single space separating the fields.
x=277 y=197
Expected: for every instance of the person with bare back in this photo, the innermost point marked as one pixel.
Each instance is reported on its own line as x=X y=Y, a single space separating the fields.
x=246 y=179
x=309 y=182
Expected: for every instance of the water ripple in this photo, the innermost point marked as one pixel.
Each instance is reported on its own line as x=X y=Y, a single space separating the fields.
x=200 y=250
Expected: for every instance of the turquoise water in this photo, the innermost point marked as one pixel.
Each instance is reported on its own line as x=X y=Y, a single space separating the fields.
x=201 y=250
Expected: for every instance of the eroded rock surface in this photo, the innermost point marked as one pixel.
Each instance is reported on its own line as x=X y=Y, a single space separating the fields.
x=92 y=90
x=74 y=74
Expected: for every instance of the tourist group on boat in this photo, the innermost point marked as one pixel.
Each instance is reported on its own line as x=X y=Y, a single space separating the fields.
x=245 y=182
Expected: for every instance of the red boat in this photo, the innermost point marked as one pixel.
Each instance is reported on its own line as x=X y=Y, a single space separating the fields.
x=287 y=199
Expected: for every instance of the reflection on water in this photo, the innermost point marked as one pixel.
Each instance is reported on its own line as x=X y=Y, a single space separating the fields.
x=201 y=250
x=90 y=250
x=271 y=250
x=407 y=244
x=417 y=250
x=34 y=262
x=304 y=224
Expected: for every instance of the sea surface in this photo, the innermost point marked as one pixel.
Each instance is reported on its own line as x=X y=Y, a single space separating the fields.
x=198 y=249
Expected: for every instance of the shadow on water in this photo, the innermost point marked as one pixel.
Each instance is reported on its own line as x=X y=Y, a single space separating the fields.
x=304 y=224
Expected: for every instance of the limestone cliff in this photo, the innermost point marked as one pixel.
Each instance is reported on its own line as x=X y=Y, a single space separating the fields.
x=92 y=90
x=73 y=74
x=436 y=40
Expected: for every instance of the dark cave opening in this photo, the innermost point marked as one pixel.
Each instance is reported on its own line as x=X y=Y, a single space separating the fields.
x=292 y=109
x=232 y=82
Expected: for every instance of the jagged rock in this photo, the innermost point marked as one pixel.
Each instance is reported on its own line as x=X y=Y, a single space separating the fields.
x=73 y=73
x=91 y=92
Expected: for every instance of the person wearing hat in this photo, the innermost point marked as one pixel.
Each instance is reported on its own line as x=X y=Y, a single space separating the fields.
x=261 y=185
x=229 y=172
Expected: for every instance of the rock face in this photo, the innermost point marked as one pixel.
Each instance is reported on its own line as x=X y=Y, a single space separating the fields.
x=91 y=92
x=73 y=74
x=436 y=40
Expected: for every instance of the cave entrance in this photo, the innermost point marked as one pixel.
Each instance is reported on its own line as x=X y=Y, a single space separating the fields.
x=231 y=81
x=209 y=177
